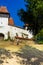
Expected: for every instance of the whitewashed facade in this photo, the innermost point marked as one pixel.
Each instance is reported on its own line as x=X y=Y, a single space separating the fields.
x=12 y=31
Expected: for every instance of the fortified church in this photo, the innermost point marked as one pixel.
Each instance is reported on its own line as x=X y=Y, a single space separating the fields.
x=8 y=29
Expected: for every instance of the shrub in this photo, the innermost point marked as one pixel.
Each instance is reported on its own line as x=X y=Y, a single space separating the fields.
x=39 y=37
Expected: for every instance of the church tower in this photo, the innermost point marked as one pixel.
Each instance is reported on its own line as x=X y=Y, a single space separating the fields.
x=4 y=16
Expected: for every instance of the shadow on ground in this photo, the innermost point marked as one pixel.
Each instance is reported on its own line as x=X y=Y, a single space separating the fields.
x=4 y=54
x=26 y=56
x=31 y=56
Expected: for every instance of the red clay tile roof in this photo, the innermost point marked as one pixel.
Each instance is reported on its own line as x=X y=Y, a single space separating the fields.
x=11 y=22
x=23 y=38
x=3 y=9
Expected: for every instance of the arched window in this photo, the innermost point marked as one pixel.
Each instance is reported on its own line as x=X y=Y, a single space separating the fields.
x=1 y=36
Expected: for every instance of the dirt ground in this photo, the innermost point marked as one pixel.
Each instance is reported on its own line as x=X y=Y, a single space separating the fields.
x=26 y=53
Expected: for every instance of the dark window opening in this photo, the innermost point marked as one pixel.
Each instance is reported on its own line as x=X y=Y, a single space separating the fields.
x=1 y=36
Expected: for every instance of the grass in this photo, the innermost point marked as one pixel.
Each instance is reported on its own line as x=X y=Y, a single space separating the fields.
x=27 y=52
x=40 y=42
x=9 y=45
x=14 y=47
x=30 y=56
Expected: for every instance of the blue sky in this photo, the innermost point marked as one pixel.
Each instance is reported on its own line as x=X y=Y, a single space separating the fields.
x=13 y=6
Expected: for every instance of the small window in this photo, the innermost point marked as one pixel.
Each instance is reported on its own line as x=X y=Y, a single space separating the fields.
x=24 y=35
x=17 y=34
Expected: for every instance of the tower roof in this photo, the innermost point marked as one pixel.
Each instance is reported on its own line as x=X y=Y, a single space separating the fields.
x=3 y=9
x=11 y=22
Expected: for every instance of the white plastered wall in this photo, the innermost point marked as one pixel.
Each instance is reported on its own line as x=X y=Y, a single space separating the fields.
x=4 y=31
x=13 y=30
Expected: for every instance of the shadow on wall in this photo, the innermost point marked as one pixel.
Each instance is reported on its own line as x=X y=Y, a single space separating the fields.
x=30 y=56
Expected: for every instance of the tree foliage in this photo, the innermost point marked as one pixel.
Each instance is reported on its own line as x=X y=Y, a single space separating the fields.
x=39 y=37
x=33 y=15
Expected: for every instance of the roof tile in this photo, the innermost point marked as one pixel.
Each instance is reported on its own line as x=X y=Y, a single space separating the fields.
x=11 y=22
x=3 y=9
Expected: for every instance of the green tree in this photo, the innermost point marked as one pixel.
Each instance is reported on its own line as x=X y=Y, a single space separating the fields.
x=33 y=15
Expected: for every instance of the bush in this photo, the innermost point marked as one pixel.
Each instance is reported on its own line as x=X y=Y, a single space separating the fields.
x=39 y=37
